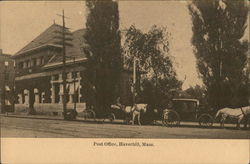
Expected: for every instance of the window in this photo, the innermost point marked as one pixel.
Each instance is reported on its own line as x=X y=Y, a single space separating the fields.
x=38 y=61
x=69 y=75
x=25 y=64
x=6 y=77
x=42 y=60
x=54 y=77
x=82 y=49
x=33 y=62
x=20 y=65
x=28 y=63
x=86 y=51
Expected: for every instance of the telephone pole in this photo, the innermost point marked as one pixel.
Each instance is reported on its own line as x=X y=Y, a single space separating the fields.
x=134 y=80
x=64 y=38
x=64 y=65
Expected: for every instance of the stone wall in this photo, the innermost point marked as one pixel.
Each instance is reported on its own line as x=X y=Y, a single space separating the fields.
x=49 y=108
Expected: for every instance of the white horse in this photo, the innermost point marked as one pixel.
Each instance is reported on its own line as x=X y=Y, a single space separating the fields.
x=132 y=110
x=136 y=111
x=238 y=113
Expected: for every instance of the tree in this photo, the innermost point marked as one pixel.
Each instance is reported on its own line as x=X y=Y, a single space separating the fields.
x=197 y=92
x=104 y=50
x=151 y=49
x=218 y=28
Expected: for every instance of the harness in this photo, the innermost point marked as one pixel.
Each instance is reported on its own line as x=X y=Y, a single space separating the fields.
x=242 y=112
x=136 y=109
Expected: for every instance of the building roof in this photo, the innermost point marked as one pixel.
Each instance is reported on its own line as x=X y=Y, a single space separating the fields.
x=45 y=38
x=4 y=54
x=51 y=38
x=76 y=49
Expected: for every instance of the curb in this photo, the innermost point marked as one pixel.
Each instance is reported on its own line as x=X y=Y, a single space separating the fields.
x=31 y=116
x=60 y=118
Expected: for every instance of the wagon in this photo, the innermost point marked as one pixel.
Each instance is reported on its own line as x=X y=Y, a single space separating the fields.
x=114 y=113
x=187 y=110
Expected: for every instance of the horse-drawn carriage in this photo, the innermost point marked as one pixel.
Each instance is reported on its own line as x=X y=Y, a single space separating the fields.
x=115 y=112
x=181 y=110
x=187 y=110
x=126 y=113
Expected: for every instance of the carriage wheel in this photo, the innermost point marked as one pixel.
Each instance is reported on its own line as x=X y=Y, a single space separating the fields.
x=111 y=117
x=171 y=118
x=90 y=114
x=205 y=120
x=85 y=115
x=127 y=119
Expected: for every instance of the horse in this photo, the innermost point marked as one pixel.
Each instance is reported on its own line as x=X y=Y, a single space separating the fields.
x=131 y=110
x=123 y=108
x=136 y=111
x=238 y=113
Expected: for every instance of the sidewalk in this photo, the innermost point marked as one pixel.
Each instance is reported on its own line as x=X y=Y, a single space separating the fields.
x=48 y=117
x=25 y=115
x=159 y=123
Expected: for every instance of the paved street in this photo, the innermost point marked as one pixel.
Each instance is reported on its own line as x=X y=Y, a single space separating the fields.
x=42 y=128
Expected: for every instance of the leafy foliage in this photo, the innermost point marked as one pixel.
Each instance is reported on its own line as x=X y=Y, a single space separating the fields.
x=218 y=27
x=151 y=49
x=197 y=92
x=103 y=51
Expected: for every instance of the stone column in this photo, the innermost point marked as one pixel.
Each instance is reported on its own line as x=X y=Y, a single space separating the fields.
x=69 y=76
x=78 y=76
x=71 y=92
x=43 y=97
x=36 y=92
x=79 y=91
x=20 y=98
x=52 y=89
x=60 y=77
x=53 y=94
x=61 y=89
x=61 y=94
x=71 y=86
x=26 y=97
x=71 y=98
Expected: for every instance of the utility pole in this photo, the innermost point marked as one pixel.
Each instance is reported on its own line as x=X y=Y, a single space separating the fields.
x=74 y=96
x=64 y=42
x=64 y=69
x=64 y=66
x=134 y=80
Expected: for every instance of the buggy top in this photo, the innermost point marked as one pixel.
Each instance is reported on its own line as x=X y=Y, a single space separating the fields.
x=183 y=99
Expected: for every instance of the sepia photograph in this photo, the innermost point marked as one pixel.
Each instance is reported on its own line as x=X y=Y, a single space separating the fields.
x=124 y=69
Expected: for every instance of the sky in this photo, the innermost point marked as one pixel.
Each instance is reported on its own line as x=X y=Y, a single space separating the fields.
x=21 y=22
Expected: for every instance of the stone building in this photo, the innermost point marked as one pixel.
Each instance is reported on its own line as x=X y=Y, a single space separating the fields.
x=6 y=82
x=39 y=73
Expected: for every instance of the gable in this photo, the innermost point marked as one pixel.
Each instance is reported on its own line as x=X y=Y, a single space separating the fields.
x=45 y=38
